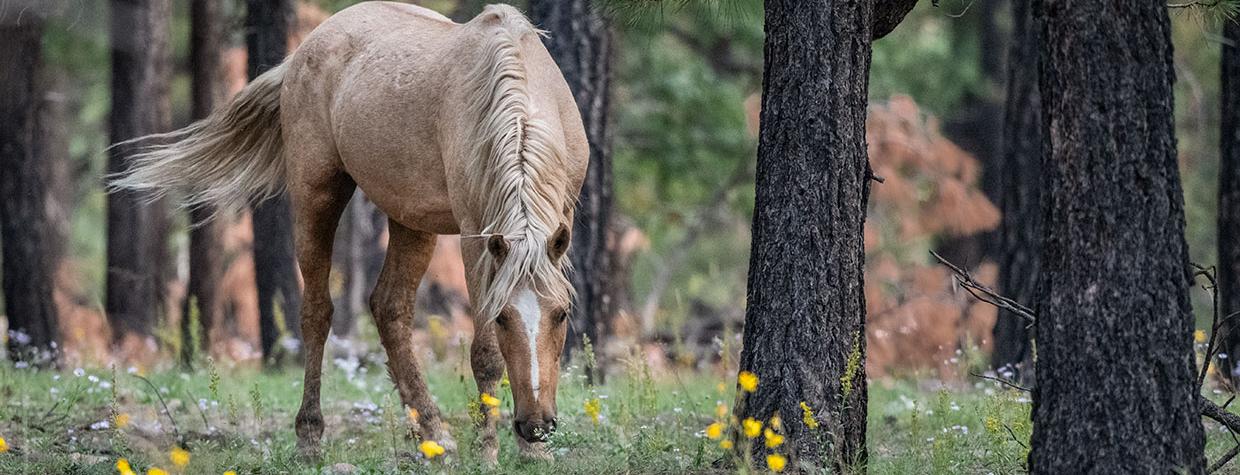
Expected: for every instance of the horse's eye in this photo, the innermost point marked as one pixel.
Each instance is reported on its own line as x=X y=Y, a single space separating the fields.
x=560 y=316
x=504 y=318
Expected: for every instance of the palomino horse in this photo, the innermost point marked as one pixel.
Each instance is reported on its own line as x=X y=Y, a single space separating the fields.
x=449 y=128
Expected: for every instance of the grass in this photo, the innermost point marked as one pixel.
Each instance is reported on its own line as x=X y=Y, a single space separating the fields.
x=241 y=419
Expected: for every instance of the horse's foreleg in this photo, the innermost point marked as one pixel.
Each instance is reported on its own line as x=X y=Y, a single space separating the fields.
x=488 y=366
x=317 y=208
x=391 y=304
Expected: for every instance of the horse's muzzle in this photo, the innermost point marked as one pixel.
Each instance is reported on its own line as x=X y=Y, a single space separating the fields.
x=535 y=429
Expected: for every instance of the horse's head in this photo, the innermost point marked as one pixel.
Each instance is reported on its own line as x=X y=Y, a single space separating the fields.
x=531 y=325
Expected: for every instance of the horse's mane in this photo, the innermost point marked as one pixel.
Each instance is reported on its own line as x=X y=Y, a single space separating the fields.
x=516 y=168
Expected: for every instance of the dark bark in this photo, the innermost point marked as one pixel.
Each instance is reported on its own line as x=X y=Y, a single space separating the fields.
x=805 y=321
x=275 y=267
x=1020 y=177
x=976 y=124
x=889 y=13
x=206 y=254
x=27 y=233
x=580 y=42
x=1115 y=386
x=1229 y=195
x=137 y=227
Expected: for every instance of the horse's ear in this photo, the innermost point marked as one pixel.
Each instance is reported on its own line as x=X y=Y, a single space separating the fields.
x=498 y=247
x=558 y=244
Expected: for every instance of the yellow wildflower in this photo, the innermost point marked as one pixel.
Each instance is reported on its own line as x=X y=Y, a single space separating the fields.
x=725 y=444
x=714 y=431
x=992 y=424
x=772 y=439
x=593 y=408
x=748 y=381
x=4 y=445
x=156 y=471
x=120 y=420
x=122 y=466
x=179 y=457
x=721 y=411
x=776 y=462
x=807 y=416
x=494 y=412
x=431 y=449
x=489 y=400
x=1199 y=336
x=776 y=423
x=230 y=472
x=752 y=427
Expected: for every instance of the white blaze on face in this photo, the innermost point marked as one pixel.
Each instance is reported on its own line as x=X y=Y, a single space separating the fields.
x=526 y=303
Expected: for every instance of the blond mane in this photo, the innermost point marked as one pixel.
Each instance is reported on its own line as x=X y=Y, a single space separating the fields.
x=520 y=173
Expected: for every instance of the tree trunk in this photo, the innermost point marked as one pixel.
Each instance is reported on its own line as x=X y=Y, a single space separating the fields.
x=359 y=257
x=580 y=42
x=206 y=254
x=27 y=233
x=1020 y=176
x=977 y=125
x=275 y=265
x=137 y=227
x=805 y=322
x=1115 y=387
x=1229 y=196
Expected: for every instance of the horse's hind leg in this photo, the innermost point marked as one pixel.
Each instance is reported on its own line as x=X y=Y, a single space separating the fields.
x=391 y=304
x=319 y=195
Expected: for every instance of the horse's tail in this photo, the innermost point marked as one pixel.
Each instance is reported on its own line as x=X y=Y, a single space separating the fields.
x=229 y=159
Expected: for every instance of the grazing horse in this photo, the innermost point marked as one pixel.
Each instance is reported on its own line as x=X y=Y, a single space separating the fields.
x=450 y=129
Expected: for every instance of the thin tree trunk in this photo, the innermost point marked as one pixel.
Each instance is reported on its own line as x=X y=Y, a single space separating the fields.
x=360 y=257
x=805 y=322
x=1021 y=184
x=977 y=125
x=1229 y=195
x=205 y=251
x=27 y=233
x=580 y=42
x=275 y=264
x=141 y=67
x=1115 y=387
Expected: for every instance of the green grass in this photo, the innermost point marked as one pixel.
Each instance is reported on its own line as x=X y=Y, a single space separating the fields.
x=244 y=420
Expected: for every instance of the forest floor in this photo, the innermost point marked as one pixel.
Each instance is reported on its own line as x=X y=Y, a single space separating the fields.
x=241 y=419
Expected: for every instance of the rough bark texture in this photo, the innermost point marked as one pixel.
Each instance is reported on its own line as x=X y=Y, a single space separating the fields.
x=1229 y=194
x=888 y=14
x=1020 y=177
x=580 y=42
x=805 y=323
x=1115 y=389
x=27 y=234
x=141 y=67
x=206 y=255
x=275 y=265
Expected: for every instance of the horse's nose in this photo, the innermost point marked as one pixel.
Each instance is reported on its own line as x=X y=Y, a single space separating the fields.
x=536 y=429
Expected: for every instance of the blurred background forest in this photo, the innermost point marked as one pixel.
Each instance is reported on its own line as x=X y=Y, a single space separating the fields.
x=686 y=82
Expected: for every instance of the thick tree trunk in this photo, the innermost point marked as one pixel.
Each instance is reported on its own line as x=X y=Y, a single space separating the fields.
x=580 y=42
x=141 y=68
x=1020 y=176
x=275 y=265
x=27 y=234
x=1115 y=388
x=805 y=321
x=1229 y=196
x=206 y=255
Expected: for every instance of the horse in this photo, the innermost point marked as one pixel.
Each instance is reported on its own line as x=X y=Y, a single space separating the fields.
x=448 y=128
